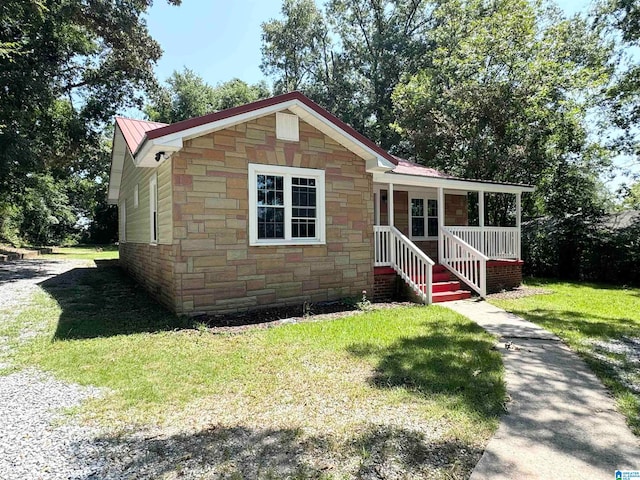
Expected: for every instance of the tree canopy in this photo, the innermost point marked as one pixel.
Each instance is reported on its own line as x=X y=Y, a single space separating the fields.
x=187 y=95
x=623 y=16
x=349 y=57
x=67 y=67
x=500 y=91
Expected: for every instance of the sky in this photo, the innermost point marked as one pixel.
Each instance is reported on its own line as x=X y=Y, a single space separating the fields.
x=220 y=39
x=217 y=39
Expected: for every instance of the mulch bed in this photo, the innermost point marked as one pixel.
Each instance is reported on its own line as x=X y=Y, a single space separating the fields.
x=272 y=317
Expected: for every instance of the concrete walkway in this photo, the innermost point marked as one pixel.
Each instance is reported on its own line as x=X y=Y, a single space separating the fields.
x=562 y=423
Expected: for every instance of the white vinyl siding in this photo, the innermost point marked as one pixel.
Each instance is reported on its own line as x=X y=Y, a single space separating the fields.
x=138 y=219
x=153 y=209
x=286 y=205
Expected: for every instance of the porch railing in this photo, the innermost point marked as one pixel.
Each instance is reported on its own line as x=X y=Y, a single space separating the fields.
x=465 y=261
x=395 y=250
x=494 y=242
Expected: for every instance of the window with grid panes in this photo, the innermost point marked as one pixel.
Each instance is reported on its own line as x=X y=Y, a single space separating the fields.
x=286 y=205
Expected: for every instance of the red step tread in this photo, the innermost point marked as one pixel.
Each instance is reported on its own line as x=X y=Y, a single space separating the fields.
x=438 y=287
x=450 y=296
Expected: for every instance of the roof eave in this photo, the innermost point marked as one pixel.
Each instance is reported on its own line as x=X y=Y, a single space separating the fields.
x=119 y=151
x=451 y=182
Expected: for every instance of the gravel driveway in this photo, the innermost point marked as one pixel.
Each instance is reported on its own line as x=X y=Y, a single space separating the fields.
x=36 y=441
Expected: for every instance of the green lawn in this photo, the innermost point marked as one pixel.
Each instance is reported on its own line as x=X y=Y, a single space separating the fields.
x=423 y=382
x=84 y=252
x=601 y=323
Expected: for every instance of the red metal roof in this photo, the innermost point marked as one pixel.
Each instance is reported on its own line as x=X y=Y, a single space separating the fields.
x=410 y=168
x=134 y=130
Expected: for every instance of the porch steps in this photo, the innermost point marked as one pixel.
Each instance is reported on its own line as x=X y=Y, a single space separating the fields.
x=444 y=288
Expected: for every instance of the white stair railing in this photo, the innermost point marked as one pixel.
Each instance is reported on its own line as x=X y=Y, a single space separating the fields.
x=394 y=249
x=382 y=245
x=464 y=261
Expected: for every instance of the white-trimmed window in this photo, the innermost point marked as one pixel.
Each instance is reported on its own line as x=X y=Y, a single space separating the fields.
x=286 y=205
x=423 y=218
x=153 y=209
x=122 y=238
x=136 y=196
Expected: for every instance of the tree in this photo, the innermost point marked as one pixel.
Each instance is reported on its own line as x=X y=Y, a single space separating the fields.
x=187 y=95
x=506 y=95
x=624 y=95
x=632 y=198
x=67 y=67
x=295 y=48
x=349 y=58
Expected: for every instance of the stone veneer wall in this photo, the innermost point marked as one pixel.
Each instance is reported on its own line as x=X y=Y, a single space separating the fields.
x=215 y=268
x=152 y=267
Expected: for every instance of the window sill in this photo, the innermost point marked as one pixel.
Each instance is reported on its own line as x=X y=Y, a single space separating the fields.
x=275 y=243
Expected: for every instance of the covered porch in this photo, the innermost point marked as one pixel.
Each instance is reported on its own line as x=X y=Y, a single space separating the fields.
x=424 y=220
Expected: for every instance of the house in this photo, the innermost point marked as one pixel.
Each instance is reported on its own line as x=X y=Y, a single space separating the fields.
x=279 y=202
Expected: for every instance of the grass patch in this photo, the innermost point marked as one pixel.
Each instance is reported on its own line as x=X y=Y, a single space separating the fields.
x=84 y=252
x=601 y=323
x=410 y=384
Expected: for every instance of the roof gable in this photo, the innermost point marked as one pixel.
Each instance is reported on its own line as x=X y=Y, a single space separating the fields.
x=242 y=110
x=169 y=138
x=150 y=143
x=134 y=131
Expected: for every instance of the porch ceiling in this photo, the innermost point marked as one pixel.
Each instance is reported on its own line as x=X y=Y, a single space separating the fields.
x=450 y=183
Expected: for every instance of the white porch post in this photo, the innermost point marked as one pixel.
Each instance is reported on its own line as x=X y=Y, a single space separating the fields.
x=390 y=204
x=376 y=207
x=481 y=219
x=440 y=223
x=518 y=224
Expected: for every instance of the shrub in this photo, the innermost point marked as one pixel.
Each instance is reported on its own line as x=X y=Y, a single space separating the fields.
x=581 y=247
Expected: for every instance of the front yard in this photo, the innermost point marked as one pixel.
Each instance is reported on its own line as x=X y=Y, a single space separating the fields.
x=398 y=393
x=601 y=323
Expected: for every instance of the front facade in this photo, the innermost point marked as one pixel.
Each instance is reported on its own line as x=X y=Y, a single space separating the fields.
x=276 y=202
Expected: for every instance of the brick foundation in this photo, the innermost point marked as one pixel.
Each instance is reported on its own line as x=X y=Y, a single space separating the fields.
x=503 y=275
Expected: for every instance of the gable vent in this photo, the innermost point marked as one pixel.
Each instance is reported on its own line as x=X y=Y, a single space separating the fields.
x=287 y=127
